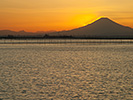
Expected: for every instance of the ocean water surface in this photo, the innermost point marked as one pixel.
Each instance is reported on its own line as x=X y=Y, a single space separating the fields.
x=66 y=71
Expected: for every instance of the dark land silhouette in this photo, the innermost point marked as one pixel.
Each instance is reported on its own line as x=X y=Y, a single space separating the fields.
x=103 y=28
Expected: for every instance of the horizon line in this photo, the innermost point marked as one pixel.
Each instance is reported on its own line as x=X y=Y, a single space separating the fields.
x=41 y=31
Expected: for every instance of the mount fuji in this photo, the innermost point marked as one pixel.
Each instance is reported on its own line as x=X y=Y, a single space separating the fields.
x=103 y=27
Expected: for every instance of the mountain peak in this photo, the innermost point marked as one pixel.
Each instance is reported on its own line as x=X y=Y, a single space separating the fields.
x=103 y=27
x=22 y=31
x=104 y=19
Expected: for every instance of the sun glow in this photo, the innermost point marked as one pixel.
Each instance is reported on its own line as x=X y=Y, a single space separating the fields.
x=83 y=19
x=45 y=15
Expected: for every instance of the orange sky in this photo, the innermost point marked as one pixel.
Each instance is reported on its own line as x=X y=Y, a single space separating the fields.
x=46 y=15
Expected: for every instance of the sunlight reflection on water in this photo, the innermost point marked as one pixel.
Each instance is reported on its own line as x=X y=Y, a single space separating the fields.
x=66 y=71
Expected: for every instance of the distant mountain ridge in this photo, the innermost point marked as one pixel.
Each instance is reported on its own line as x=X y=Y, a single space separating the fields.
x=14 y=33
x=103 y=27
x=24 y=33
x=20 y=33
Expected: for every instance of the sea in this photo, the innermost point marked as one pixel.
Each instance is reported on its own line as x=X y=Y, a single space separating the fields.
x=66 y=69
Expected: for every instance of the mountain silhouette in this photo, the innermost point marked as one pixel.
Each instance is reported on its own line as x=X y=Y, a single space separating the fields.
x=103 y=27
x=19 y=33
x=6 y=32
x=24 y=33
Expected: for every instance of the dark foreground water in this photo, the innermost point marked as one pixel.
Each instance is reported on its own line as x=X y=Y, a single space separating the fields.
x=76 y=71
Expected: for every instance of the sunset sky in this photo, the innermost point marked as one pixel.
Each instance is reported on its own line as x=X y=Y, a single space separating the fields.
x=48 y=15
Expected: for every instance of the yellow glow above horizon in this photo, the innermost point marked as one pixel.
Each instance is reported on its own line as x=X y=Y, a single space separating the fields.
x=46 y=15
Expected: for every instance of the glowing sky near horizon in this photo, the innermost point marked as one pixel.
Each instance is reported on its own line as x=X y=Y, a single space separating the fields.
x=47 y=15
